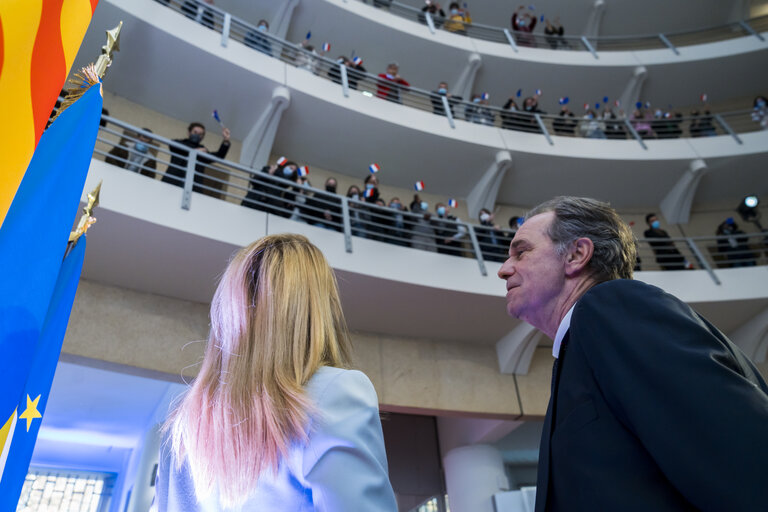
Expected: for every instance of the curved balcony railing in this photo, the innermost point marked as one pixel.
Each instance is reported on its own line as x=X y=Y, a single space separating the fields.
x=193 y=171
x=669 y=40
x=618 y=127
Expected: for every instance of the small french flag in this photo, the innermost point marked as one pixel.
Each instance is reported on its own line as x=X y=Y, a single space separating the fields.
x=368 y=193
x=617 y=103
x=216 y=116
x=419 y=186
x=586 y=106
x=564 y=100
x=703 y=97
x=374 y=168
x=326 y=47
x=281 y=160
x=303 y=171
x=485 y=96
x=309 y=35
x=452 y=203
x=357 y=61
x=519 y=93
x=538 y=92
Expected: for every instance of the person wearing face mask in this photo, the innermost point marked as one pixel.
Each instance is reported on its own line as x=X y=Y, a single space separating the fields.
x=257 y=40
x=448 y=234
x=733 y=243
x=355 y=72
x=434 y=9
x=396 y=223
x=437 y=101
x=760 y=112
x=566 y=123
x=523 y=24
x=478 y=112
x=667 y=255
x=134 y=152
x=421 y=231
x=458 y=19
x=324 y=209
x=355 y=214
x=271 y=195
x=490 y=237
x=528 y=121
x=177 y=170
x=390 y=83
x=511 y=119
x=592 y=127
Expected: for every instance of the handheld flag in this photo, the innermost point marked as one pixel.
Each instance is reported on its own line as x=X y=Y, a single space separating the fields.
x=639 y=104
x=326 y=47
x=33 y=241
x=586 y=106
x=419 y=186
x=281 y=160
x=647 y=104
x=564 y=100
x=597 y=105
x=369 y=193
x=541 y=19
x=703 y=97
x=605 y=99
x=309 y=35
x=374 y=168
x=538 y=92
x=519 y=93
x=217 y=118
x=357 y=61
x=38 y=43
x=303 y=171
x=452 y=203
x=485 y=96
x=617 y=103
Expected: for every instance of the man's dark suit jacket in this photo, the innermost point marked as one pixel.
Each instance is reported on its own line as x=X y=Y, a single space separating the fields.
x=653 y=409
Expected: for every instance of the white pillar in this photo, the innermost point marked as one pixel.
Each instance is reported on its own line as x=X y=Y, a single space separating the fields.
x=752 y=337
x=466 y=81
x=143 y=491
x=632 y=90
x=592 y=29
x=676 y=205
x=483 y=194
x=257 y=145
x=473 y=474
x=282 y=18
x=515 y=350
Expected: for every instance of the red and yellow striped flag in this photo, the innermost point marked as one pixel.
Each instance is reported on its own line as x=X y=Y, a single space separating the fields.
x=38 y=43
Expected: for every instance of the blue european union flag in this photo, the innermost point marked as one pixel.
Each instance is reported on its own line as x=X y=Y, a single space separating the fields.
x=33 y=240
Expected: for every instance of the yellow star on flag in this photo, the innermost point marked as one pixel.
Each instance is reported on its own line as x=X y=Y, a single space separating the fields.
x=31 y=412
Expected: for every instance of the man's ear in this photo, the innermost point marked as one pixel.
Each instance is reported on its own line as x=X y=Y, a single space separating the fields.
x=579 y=254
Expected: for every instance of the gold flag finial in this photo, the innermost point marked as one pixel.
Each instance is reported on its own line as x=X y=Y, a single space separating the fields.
x=113 y=45
x=87 y=219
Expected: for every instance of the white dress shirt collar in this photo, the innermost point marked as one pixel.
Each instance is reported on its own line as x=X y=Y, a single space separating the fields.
x=565 y=323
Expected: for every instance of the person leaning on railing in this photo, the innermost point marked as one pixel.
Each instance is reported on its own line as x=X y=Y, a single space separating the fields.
x=448 y=235
x=177 y=170
x=134 y=152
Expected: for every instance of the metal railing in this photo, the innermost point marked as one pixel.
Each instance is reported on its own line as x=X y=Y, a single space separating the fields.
x=661 y=41
x=356 y=78
x=195 y=171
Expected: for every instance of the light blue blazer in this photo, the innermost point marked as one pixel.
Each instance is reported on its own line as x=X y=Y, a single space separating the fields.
x=343 y=467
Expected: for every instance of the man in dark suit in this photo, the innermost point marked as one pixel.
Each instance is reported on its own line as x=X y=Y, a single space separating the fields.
x=652 y=408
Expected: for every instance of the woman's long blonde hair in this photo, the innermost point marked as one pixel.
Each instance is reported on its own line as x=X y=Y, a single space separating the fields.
x=275 y=319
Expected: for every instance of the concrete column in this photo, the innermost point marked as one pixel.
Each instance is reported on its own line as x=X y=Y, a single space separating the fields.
x=752 y=337
x=632 y=90
x=282 y=18
x=515 y=350
x=466 y=81
x=257 y=145
x=676 y=205
x=473 y=474
x=483 y=194
x=592 y=29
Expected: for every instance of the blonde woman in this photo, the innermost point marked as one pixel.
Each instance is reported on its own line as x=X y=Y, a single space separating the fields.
x=274 y=421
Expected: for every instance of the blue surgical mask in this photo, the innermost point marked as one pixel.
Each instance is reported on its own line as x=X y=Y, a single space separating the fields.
x=442 y=90
x=396 y=206
x=390 y=76
x=369 y=186
x=141 y=147
x=441 y=210
x=521 y=22
x=476 y=100
x=287 y=171
x=424 y=205
x=262 y=28
x=356 y=197
x=761 y=103
x=454 y=11
x=655 y=224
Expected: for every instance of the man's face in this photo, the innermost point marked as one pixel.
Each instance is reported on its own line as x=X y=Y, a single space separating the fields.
x=534 y=272
x=651 y=220
x=392 y=70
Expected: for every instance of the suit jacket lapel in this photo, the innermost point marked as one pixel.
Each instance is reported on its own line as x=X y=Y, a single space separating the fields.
x=542 y=476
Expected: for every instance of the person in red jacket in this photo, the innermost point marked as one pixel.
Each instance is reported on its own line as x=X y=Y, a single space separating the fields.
x=387 y=91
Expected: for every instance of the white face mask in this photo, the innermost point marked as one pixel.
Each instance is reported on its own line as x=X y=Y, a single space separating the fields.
x=484 y=217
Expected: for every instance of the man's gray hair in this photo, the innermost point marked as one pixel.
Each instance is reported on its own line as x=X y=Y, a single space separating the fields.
x=615 y=252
